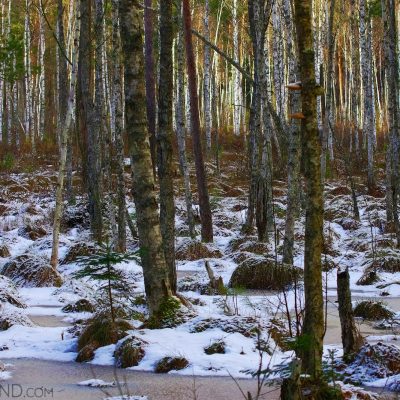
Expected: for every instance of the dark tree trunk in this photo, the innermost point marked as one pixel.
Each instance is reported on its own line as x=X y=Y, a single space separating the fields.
x=150 y=79
x=164 y=139
x=90 y=122
x=156 y=277
x=313 y=327
x=204 y=201
x=351 y=338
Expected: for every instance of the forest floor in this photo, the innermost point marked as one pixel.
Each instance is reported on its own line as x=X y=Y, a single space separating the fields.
x=42 y=330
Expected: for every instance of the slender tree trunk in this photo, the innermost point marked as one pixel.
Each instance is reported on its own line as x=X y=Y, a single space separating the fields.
x=260 y=192
x=367 y=84
x=118 y=115
x=28 y=75
x=42 y=82
x=313 y=327
x=156 y=274
x=69 y=109
x=207 y=77
x=237 y=89
x=150 y=79
x=164 y=139
x=293 y=168
x=392 y=68
x=180 y=129
x=204 y=201
x=91 y=122
x=328 y=120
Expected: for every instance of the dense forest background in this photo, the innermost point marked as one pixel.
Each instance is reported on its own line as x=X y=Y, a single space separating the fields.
x=258 y=138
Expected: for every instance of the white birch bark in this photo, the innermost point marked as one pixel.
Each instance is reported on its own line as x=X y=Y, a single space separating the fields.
x=42 y=83
x=237 y=98
x=207 y=76
x=368 y=90
x=63 y=148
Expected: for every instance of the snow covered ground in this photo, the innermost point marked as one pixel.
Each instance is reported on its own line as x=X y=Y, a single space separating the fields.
x=24 y=202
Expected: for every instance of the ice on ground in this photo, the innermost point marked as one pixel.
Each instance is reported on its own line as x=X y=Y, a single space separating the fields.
x=96 y=383
x=127 y=398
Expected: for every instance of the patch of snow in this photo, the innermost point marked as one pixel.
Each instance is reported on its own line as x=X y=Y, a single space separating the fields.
x=97 y=383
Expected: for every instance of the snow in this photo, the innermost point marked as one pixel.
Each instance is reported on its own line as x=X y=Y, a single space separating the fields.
x=127 y=398
x=4 y=375
x=97 y=383
x=37 y=342
x=241 y=355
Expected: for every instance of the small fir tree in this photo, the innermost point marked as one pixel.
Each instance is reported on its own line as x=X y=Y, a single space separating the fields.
x=101 y=267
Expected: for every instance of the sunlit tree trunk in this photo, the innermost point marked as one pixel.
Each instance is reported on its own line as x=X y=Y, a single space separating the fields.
x=180 y=128
x=28 y=74
x=204 y=201
x=68 y=112
x=42 y=82
x=368 y=87
x=237 y=83
x=207 y=77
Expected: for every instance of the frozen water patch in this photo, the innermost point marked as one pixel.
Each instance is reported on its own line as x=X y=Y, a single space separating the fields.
x=37 y=342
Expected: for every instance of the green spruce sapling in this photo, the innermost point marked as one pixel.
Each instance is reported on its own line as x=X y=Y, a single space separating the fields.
x=101 y=267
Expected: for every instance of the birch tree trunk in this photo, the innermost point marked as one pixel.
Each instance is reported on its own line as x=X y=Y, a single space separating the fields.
x=237 y=89
x=293 y=168
x=180 y=128
x=42 y=82
x=392 y=70
x=69 y=109
x=367 y=84
x=156 y=274
x=104 y=136
x=28 y=74
x=91 y=121
x=207 y=77
x=118 y=116
x=328 y=120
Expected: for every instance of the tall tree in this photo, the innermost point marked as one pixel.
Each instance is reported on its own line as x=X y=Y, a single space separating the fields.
x=204 y=200
x=164 y=139
x=67 y=109
x=368 y=86
x=180 y=128
x=207 y=76
x=90 y=122
x=156 y=274
x=392 y=68
x=327 y=127
x=119 y=124
x=260 y=152
x=150 y=79
x=293 y=167
x=313 y=327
